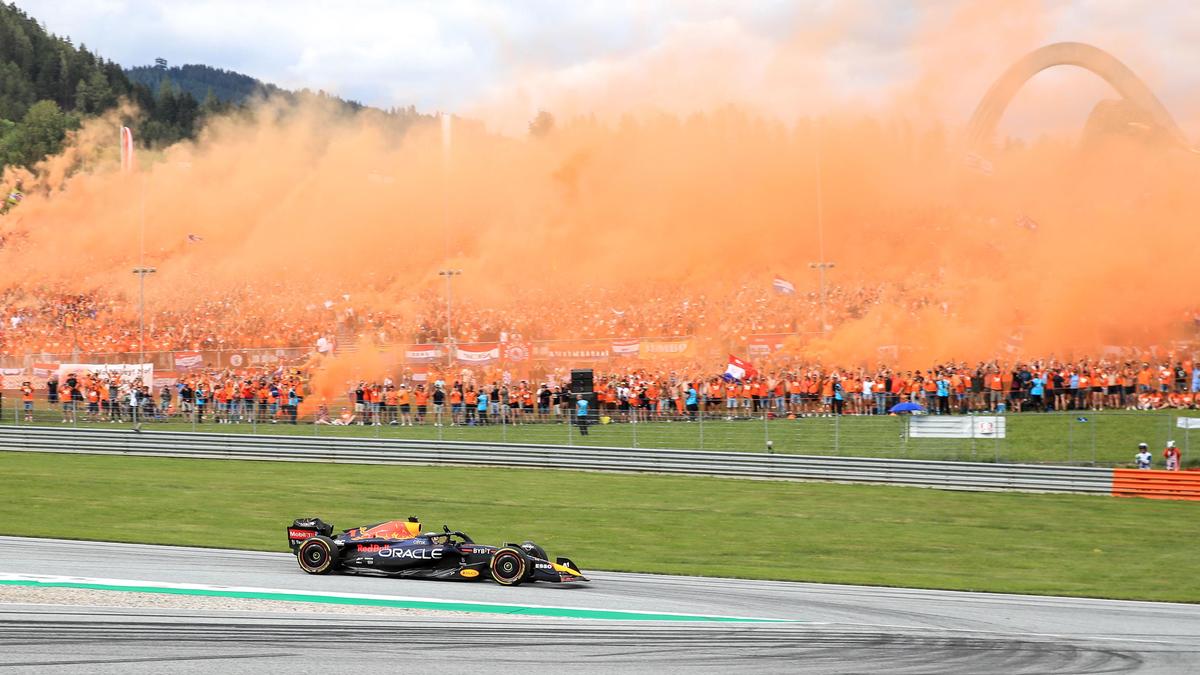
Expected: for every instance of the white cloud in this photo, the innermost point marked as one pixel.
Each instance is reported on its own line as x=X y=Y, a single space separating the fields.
x=780 y=56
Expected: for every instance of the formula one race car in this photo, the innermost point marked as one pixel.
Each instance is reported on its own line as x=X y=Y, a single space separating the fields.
x=398 y=548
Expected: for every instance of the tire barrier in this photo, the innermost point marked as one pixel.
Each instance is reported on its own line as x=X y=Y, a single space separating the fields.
x=937 y=474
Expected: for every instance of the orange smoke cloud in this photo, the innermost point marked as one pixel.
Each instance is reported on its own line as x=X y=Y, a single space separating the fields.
x=328 y=203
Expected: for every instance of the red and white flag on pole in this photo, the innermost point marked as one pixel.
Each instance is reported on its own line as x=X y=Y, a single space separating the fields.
x=126 y=149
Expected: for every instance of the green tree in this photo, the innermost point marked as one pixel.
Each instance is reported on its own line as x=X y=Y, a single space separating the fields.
x=16 y=92
x=93 y=95
x=40 y=133
x=541 y=125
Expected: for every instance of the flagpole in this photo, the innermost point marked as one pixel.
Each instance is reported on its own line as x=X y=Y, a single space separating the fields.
x=141 y=270
x=448 y=273
x=821 y=265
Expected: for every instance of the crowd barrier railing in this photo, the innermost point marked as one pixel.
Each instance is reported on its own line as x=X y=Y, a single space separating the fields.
x=1108 y=438
x=945 y=475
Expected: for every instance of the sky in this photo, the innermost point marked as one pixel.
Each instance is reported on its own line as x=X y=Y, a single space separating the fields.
x=506 y=60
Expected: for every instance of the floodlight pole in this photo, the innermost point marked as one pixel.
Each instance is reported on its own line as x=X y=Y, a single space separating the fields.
x=448 y=274
x=820 y=267
x=142 y=272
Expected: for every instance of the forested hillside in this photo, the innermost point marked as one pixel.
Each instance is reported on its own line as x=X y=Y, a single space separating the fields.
x=201 y=81
x=47 y=85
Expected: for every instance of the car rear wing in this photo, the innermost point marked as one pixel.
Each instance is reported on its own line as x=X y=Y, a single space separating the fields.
x=306 y=528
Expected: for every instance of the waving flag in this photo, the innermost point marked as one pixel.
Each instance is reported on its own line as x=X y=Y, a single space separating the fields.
x=126 y=149
x=738 y=370
x=783 y=286
x=979 y=164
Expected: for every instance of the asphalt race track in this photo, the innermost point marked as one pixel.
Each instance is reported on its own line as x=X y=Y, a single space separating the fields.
x=819 y=628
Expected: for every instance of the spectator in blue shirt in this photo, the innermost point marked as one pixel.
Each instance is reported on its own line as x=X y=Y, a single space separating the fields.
x=581 y=412
x=943 y=394
x=481 y=407
x=1037 y=387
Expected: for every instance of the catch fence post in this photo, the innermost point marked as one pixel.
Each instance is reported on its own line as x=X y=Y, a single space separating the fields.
x=701 y=415
x=766 y=429
x=634 y=425
x=1071 y=436
x=1093 y=426
x=837 y=435
x=973 y=425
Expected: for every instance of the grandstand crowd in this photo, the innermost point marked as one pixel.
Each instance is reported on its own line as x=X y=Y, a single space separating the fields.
x=476 y=396
x=56 y=321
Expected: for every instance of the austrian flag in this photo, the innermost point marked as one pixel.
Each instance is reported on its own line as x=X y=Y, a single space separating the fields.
x=738 y=370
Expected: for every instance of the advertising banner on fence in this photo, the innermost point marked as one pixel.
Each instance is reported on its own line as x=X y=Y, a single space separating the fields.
x=11 y=378
x=165 y=378
x=664 y=347
x=188 y=360
x=574 y=350
x=42 y=372
x=127 y=371
x=423 y=353
x=515 y=352
x=478 y=354
x=953 y=426
x=760 y=345
x=629 y=347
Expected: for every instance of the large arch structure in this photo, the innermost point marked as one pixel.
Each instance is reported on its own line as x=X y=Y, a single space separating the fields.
x=987 y=114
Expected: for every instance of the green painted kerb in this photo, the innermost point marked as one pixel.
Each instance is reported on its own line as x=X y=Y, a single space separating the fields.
x=609 y=615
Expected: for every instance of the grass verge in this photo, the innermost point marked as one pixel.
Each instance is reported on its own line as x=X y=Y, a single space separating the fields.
x=894 y=536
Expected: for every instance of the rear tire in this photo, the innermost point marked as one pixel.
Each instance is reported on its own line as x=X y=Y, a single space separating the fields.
x=317 y=555
x=509 y=566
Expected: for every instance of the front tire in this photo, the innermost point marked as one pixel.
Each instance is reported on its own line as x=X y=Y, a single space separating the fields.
x=509 y=566
x=317 y=555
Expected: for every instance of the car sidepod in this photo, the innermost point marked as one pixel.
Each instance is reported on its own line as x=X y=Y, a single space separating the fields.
x=415 y=558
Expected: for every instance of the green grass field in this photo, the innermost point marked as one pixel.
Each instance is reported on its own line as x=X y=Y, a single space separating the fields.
x=1106 y=438
x=895 y=536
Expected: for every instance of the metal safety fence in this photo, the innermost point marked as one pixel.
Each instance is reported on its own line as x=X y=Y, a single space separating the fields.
x=1101 y=438
x=946 y=475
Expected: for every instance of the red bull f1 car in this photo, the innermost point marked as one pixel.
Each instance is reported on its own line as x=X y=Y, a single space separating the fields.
x=398 y=548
